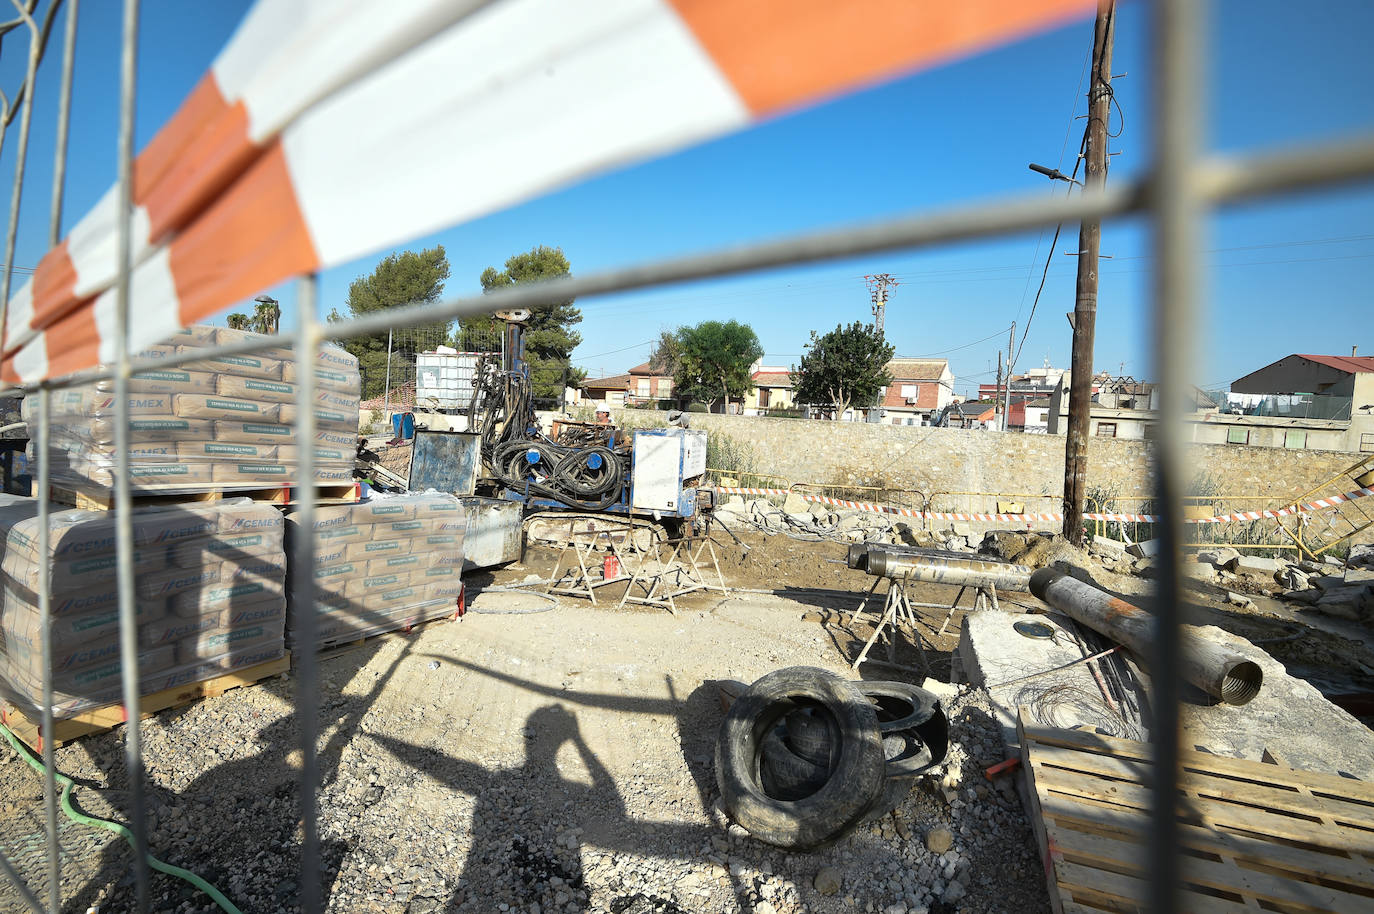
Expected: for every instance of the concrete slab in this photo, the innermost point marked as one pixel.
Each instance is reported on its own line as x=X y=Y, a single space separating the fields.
x=996 y=656
x=1256 y=566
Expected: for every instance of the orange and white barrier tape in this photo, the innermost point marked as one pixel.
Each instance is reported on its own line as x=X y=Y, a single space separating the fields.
x=1317 y=505
x=327 y=130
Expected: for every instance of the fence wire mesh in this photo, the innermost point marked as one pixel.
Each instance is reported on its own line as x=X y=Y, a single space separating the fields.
x=1173 y=197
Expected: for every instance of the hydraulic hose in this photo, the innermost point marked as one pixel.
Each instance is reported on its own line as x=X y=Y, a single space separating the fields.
x=82 y=819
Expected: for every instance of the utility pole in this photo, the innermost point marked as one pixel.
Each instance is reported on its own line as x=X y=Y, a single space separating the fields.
x=1085 y=302
x=878 y=285
x=1006 y=406
x=997 y=397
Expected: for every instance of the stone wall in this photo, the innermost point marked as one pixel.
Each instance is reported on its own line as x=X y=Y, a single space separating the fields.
x=961 y=460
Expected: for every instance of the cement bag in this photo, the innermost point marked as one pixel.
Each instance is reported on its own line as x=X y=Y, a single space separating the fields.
x=370 y=586
x=344 y=441
x=260 y=472
x=324 y=456
x=225 y=336
x=201 y=406
x=333 y=579
x=215 y=451
x=257 y=389
x=244 y=547
x=328 y=378
x=147 y=428
x=27 y=662
x=332 y=419
x=165 y=380
x=409 y=562
x=329 y=552
x=371 y=549
x=201 y=335
x=144 y=477
x=76 y=574
x=226 y=596
x=172 y=629
x=20 y=622
x=254 y=365
x=93 y=686
x=219 y=642
x=164 y=584
x=251 y=656
x=253 y=432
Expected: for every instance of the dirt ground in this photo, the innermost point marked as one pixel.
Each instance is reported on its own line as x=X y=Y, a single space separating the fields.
x=536 y=762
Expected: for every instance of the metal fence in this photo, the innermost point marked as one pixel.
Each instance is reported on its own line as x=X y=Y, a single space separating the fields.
x=1171 y=198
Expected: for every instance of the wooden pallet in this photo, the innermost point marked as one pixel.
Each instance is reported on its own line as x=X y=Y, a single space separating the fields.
x=337 y=647
x=107 y=717
x=103 y=499
x=1254 y=836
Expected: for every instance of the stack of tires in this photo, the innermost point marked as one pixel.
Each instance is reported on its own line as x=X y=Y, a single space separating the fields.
x=804 y=755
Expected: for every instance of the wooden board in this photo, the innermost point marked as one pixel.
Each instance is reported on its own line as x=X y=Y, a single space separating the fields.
x=1253 y=835
x=107 y=717
x=103 y=499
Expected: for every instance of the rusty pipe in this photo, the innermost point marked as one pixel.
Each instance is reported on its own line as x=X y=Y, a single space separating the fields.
x=1217 y=670
x=935 y=567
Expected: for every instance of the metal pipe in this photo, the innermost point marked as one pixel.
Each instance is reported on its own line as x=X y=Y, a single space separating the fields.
x=124 y=521
x=47 y=726
x=934 y=567
x=308 y=340
x=1219 y=671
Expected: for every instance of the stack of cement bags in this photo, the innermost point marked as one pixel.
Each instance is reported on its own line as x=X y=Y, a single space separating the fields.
x=217 y=424
x=209 y=597
x=380 y=565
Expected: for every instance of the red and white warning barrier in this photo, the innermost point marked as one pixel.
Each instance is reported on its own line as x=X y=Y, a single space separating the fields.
x=325 y=131
x=1307 y=508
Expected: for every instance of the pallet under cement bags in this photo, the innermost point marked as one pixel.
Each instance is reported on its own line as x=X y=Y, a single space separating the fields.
x=210 y=598
x=381 y=565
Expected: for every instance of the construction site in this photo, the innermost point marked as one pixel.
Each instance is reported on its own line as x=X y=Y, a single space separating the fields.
x=401 y=611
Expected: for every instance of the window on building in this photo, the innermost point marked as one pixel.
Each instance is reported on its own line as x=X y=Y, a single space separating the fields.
x=1367 y=443
x=643 y=387
x=665 y=387
x=1106 y=429
x=910 y=391
x=1295 y=439
x=1237 y=436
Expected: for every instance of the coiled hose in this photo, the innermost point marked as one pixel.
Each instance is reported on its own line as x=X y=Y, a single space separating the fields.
x=589 y=478
x=82 y=819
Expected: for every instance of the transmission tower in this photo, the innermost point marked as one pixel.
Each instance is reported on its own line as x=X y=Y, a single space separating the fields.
x=878 y=284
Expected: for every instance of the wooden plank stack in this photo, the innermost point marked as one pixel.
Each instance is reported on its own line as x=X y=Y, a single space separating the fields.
x=1254 y=835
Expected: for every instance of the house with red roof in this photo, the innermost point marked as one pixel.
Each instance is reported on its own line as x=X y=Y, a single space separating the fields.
x=920 y=389
x=1304 y=400
x=772 y=390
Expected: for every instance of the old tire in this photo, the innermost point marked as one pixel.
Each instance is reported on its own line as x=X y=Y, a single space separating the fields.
x=855 y=779
x=788 y=776
x=900 y=707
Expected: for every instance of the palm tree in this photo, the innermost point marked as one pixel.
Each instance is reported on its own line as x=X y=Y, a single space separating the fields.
x=239 y=321
x=267 y=317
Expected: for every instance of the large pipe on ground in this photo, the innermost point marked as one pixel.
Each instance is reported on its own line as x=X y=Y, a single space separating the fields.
x=935 y=567
x=1218 y=670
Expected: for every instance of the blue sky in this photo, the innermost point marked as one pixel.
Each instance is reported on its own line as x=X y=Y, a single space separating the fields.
x=1289 y=276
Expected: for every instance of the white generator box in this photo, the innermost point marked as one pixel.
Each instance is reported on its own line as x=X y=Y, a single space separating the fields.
x=663 y=459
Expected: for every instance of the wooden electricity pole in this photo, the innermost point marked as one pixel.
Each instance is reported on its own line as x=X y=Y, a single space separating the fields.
x=1085 y=303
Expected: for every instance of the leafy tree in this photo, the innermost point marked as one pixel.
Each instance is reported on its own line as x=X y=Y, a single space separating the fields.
x=549 y=339
x=239 y=321
x=399 y=279
x=844 y=367
x=713 y=360
x=666 y=353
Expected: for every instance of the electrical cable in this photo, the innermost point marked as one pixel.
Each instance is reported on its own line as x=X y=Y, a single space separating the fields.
x=82 y=819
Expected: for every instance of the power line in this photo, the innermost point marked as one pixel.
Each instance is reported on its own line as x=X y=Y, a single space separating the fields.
x=954 y=349
x=584 y=358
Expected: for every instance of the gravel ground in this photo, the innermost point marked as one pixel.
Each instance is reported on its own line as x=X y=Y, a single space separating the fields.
x=553 y=762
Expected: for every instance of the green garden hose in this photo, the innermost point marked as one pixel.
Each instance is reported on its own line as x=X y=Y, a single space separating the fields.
x=115 y=827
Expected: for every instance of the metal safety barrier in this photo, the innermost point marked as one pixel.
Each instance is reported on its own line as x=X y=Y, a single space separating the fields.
x=1172 y=199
